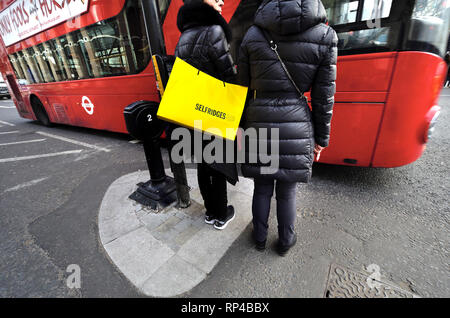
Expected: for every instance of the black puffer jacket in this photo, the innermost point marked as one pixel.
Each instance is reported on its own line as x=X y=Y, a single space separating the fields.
x=204 y=44
x=204 y=40
x=308 y=47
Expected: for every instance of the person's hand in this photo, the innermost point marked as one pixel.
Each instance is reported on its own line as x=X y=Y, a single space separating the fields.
x=317 y=150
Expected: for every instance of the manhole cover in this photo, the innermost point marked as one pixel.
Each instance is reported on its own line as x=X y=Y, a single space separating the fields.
x=345 y=283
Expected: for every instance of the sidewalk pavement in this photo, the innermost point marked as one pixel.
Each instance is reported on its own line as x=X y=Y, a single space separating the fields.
x=168 y=252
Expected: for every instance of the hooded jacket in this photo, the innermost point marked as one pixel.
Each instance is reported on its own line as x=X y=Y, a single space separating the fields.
x=204 y=40
x=308 y=48
x=204 y=44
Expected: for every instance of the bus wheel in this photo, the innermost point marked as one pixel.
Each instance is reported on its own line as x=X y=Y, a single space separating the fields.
x=40 y=112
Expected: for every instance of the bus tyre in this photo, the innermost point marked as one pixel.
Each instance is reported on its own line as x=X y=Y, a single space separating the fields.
x=40 y=112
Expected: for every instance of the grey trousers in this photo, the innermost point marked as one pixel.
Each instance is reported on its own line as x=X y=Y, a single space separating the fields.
x=286 y=211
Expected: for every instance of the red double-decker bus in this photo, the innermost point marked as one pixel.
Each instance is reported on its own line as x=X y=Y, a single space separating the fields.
x=81 y=62
x=77 y=62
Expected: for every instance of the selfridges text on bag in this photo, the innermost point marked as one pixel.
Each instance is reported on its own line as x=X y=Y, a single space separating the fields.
x=197 y=100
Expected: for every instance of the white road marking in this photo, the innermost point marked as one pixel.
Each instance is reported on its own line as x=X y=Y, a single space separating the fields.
x=7 y=107
x=79 y=143
x=135 y=141
x=25 y=185
x=40 y=156
x=6 y=123
x=22 y=142
x=9 y=132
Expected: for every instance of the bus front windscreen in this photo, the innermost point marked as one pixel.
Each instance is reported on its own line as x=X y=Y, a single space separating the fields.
x=358 y=24
x=429 y=26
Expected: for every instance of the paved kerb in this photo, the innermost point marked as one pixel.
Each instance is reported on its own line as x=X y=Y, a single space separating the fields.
x=167 y=252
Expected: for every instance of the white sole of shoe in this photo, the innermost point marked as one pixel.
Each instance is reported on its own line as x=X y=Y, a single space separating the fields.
x=210 y=222
x=225 y=225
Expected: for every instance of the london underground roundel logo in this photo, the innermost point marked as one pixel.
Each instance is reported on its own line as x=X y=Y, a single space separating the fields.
x=87 y=105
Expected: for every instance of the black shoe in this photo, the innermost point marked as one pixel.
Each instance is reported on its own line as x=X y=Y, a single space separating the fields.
x=283 y=249
x=221 y=224
x=260 y=246
x=209 y=219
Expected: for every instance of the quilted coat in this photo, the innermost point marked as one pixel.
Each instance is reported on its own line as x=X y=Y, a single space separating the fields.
x=308 y=47
x=204 y=43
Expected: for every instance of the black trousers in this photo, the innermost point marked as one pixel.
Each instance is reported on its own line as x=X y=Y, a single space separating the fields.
x=213 y=187
x=286 y=211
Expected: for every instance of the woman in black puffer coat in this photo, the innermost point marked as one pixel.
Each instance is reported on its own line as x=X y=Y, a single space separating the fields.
x=308 y=48
x=204 y=45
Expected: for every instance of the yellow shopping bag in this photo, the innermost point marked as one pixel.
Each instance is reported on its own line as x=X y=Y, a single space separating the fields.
x=197 y=100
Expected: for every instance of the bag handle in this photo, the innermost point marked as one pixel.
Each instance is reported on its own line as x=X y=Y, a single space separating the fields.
x=274 y=48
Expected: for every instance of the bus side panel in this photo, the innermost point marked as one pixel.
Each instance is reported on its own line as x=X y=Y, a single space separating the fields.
x=364 y=73
x=359 y=104
x=353 y=135
x=415 y=88
x=96 y=103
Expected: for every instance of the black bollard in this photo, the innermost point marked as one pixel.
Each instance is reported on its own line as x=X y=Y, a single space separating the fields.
x=154 y=159
x=142 y=123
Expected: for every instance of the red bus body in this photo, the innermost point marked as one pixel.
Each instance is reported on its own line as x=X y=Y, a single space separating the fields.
x=62 y=100
x=381 y=115
x=384 y=101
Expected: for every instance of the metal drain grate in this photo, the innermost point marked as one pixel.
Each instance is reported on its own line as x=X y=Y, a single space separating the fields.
x=345 y=283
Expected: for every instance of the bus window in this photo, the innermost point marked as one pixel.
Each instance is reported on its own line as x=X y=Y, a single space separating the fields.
x=362 y=39
x=17 y=67
x=429 y=26
x=44 y=64
x=163 y=7
x=341 y=11
x=57 y=60
x=25 y=68
x=113 y=47
x=74 y=55
x=58 y=49
x=30 y=57
x=363 y=26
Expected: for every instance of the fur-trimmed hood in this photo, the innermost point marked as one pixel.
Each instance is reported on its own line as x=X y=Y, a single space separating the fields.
x=198 y=13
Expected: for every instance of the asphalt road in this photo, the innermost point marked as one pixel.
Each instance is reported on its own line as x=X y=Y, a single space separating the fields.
x=52 y=181
x=49 y=207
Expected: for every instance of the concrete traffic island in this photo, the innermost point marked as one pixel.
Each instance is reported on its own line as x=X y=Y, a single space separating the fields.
x=166 y=253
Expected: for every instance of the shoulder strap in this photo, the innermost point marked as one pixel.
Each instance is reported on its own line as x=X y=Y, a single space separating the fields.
x=274 y=47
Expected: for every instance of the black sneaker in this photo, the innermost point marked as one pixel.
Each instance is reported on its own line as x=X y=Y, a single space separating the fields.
x=260 y=246
x=283 y=249
x=221 y=224
x=209 y=219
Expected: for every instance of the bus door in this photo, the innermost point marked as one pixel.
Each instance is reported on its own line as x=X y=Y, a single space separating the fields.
x=17 y=95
